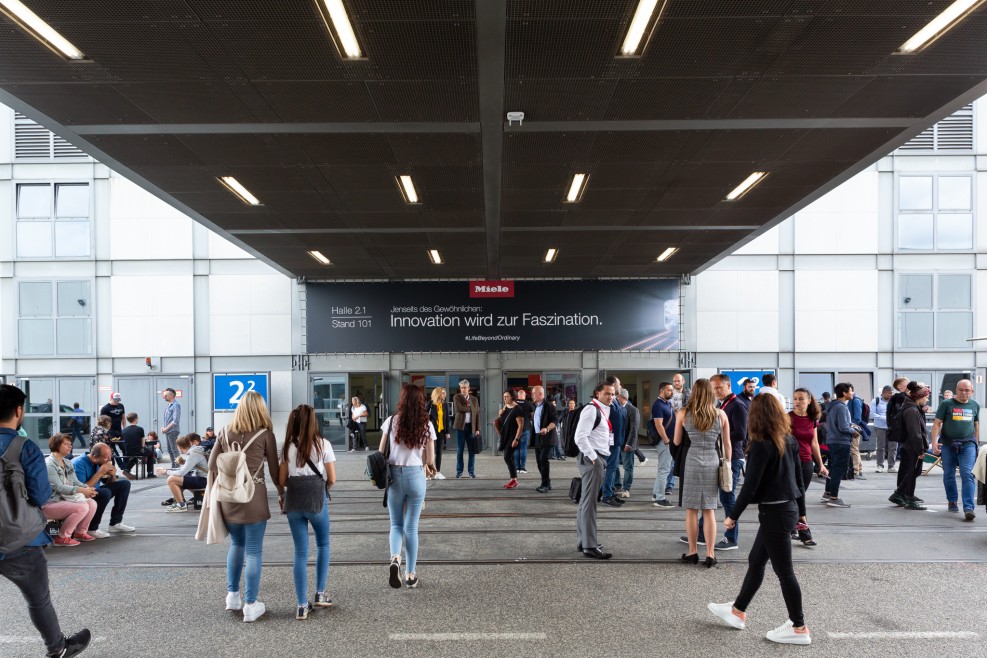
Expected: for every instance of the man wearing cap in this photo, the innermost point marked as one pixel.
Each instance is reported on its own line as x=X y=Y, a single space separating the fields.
x=957 y=429
x=170 y=426
x=208 y=440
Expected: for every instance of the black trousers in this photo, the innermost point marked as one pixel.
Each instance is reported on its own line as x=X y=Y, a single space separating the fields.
x=909 y=468
x=439 y=441
x=774 y=542
x=27 y=568
x=119 y=491
x=542 y=457
x=509 y=451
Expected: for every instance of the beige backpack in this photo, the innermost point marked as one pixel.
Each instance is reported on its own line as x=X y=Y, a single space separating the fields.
x=234 y=482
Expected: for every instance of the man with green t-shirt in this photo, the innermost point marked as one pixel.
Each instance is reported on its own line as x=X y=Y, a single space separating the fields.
x=957 y=427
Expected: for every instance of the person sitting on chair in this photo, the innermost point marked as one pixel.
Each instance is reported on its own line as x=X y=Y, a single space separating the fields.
x=135 y=449
x=192 y=474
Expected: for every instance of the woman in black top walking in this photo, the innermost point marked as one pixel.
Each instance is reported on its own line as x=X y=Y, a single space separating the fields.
x=913 y=446
x=774 y=482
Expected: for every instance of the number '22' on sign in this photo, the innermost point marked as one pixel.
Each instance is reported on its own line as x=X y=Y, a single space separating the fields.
x=240 y=390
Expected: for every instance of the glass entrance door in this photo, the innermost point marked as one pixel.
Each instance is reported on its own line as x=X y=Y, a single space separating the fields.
x=332 y=397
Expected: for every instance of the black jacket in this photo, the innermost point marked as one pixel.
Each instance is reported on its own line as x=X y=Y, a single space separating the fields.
x=736 y=412
x=914 y=433
x=771 y=477
x=433 y=416
x=548 y=416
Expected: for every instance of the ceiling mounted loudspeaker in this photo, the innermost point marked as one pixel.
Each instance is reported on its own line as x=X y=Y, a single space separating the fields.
x=515 y=116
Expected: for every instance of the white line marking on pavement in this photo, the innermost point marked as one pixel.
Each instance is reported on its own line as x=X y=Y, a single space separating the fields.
x=906 y=635
x=466 y=637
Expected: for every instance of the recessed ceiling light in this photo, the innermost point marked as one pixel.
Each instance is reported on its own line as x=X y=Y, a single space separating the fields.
x=747 y=185
x=40 y=30
x=318 y=255
x=668 y=253
x=340 y=28
x=408 y=189
x=435 y=256
x=576 y=188
x=939 y=25
x=643 y=16
x=234 y=186
x=551 y=254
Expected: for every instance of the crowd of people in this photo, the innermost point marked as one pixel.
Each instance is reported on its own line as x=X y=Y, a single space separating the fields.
x=706 y=439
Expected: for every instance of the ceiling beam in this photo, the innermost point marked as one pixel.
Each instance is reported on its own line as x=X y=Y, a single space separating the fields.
x=478 y=229
x=491 y=56
x=439 y=127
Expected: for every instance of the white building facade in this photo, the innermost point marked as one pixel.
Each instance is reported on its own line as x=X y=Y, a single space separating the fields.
x=103 y=287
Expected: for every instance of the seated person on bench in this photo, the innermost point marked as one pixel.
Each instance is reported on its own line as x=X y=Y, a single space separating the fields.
x=191 y=475
x=135 y=448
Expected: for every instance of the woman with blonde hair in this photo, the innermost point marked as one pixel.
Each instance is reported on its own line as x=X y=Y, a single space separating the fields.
x=774 y=482
x=252 y=432
x=307 y=472
x=700 y=490
x=439 y=413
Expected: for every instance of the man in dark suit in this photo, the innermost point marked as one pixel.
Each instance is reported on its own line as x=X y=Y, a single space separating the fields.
x=544 y=420
x=627 y=455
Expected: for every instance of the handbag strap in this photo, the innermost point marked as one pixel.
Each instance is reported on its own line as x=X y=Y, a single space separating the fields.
x=308 y=461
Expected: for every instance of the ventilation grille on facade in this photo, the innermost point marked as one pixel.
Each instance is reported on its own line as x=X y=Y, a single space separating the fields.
x=34 y=141
x=954 y=133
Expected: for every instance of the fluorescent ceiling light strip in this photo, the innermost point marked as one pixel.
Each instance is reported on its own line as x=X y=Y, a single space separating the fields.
x=39 y=29
x=319 y=256
x=343 y=27
x=435 y=257
x=410 y=193
x=746 y=186
x=234 y=186
x=551 y=254
x=668 y=253
x=576 y=188
x=940 y=24
x=642 y=16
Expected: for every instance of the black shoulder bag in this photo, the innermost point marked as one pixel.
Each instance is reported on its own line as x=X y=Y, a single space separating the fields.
x=306 y=493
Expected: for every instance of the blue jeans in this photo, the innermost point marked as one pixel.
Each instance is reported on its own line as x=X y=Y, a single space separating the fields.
x=627 y=460
x=839 y=460
x=728 y=499
x=611 y=475
x=671 y=477
x=463 y=441
x=298 y=523
x=964 y=456
x=521 y=454
x=404 y=504
x=664 y=471
x=245 y=538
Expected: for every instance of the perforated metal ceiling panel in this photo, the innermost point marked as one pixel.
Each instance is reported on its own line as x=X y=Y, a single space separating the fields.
x=180 y=92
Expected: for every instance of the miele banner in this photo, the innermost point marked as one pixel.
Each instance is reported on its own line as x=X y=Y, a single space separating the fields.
x=493 y=316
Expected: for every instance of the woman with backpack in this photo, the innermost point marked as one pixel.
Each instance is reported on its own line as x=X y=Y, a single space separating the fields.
x=774 y=482
x=407 y=440
x=243 y=446
x=307 y=472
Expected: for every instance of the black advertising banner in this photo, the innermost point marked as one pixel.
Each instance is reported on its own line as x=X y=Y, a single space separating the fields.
x=493 y=316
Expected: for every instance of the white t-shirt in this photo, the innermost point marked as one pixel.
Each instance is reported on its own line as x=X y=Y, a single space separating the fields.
x=402 y=455
x=357 y=411
x=319 y=460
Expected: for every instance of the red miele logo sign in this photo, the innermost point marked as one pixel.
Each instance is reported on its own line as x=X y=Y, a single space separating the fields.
x=491 y=288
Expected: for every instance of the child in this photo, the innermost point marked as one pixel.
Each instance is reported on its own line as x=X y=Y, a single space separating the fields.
x=192 y=474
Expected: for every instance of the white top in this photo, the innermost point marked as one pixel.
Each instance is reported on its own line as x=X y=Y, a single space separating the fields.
x=357 y=411
x=468 y=417
x=327 y=456
x=770 y=390
x=402 y=455
x=593 y=443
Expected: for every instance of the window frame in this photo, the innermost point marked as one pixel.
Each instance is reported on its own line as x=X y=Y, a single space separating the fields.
x=934 y=310
x=935 y=211
x=53 y=220
x=54 y=317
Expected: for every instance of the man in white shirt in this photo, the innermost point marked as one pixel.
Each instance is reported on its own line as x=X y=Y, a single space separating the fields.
x=769 y=385
x=594 y=437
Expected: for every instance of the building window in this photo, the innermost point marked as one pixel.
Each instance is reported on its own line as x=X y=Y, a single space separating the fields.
x=53 y=221
x=54 y=318
x=935 y=311
x=935 y=213
x=58 y=404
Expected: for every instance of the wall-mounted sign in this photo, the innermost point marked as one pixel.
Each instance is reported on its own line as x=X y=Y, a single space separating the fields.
x=492 y=316
x=737 y=378
x=228 y=389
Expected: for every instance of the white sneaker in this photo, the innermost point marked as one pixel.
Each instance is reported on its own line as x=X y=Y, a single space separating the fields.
x=892 y=469
x=122 y=527
x=253 y=611
x=439 y=476
x=233 y=601
x=725 y=612
x=99 y=534
x=879 y=469
x=522 y=471
x=625 y=494
x=785 y=634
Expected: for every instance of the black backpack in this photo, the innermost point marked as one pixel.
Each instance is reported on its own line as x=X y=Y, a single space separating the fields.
x=378 y=469
x=865 y=413
x=893 y=416
x=572 y=420
x=20 y=521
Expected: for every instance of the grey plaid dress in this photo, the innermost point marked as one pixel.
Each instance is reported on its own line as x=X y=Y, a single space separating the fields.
x=700 y=486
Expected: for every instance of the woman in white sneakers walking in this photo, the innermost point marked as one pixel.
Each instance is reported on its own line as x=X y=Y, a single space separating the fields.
x=307 y=472
x=408 y=441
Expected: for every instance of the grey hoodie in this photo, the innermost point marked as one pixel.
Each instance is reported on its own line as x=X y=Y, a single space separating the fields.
x=195 y=460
